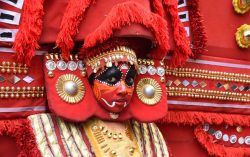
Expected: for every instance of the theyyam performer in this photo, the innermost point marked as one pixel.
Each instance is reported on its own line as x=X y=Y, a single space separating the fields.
x=86 y=77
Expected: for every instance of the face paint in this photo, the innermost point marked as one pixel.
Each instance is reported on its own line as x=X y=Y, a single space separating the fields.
x=114 y=87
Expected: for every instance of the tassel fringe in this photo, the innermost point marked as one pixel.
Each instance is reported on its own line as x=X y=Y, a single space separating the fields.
x=125 y=14
x=27 y=37
x=182 y=49
x=199 y=37
x=24 y=137
x=196 y=118
x=69 y=27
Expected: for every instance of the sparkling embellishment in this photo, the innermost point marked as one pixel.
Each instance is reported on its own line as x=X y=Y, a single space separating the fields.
x=218 y=134
x=225 y=137
x=113 y=115
x=169 y=83
x=239 y=129
x=185 y=83
x=2 y=79
x=61 y=65
x=247 y=140
x=234 y=87
x=233 y=138
x=177 y=82
x=203 y=84
x=50 y=65
x=206 y=127
x=143 y=69
x=246 y=88
x=151 y=70
x=160 y=71
x=72 y=66
x=226 y=86
x=211 y=131
x=14 y=79
x=195 y=83
x=218 y=85
x=241 y=140
x=241 y=88
x=28 y=79
x=80 y=65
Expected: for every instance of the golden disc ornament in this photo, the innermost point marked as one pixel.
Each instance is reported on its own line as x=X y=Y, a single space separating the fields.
x=241 y=6
x=243 y=36
x=149 y=91
x=70 y=88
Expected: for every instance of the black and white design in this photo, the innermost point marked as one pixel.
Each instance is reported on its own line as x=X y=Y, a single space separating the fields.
x=182 y=3
x=9 y=17
x=15 y=3
x=7 y=35
x=183 y=16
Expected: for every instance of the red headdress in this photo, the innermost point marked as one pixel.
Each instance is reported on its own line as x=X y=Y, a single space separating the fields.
x=99 y=23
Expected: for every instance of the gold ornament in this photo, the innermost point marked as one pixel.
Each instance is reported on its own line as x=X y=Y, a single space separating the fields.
x=149 y=91
x=243 y=36
x=70 y=88
x=241 y=6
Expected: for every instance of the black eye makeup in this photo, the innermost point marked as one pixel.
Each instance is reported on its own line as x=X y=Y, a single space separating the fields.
x=110 y=76
x=130 y=77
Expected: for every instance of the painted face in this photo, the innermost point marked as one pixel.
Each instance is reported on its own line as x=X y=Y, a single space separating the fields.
x=114 y=87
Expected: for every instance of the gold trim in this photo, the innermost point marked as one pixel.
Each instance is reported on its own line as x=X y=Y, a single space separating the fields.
x=240 y=38
x=208 y=94
x=13 y=67
x=241 y=6
x=148 y=82
x=208 y=74
x=21 y=92
x=66 y=96
x=113 y=56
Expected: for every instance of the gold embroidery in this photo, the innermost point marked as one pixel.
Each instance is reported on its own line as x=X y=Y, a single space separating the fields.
x=207 y=74
x=8 y=67
x=208 y=94
x=105 y=145
x=24 y=92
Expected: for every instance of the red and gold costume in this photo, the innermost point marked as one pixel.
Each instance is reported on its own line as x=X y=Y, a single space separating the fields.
x=86 y=78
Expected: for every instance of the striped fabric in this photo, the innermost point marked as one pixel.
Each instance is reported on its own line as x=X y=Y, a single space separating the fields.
x=73 y=138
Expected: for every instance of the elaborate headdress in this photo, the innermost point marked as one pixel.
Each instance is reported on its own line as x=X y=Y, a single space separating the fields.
x=99 y=24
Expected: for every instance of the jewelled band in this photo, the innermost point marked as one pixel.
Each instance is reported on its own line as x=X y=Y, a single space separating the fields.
x=233 y=139
x=208 y=74
x=120 y=53
x=13 y=67
x=56 y=62
x=21 y=92
x=208 y=94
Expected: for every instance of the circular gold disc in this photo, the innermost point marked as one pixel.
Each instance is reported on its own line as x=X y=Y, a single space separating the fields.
x=149 y=91
x=70 y=88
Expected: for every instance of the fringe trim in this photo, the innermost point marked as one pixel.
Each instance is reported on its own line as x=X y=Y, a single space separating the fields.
x=182 y=49
x=199 y=42
x=215 y=149
x=69 y=27
x=24 y=137
x=126 y=14
x=157 y=7
x=196 y=118
x=27 y=37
